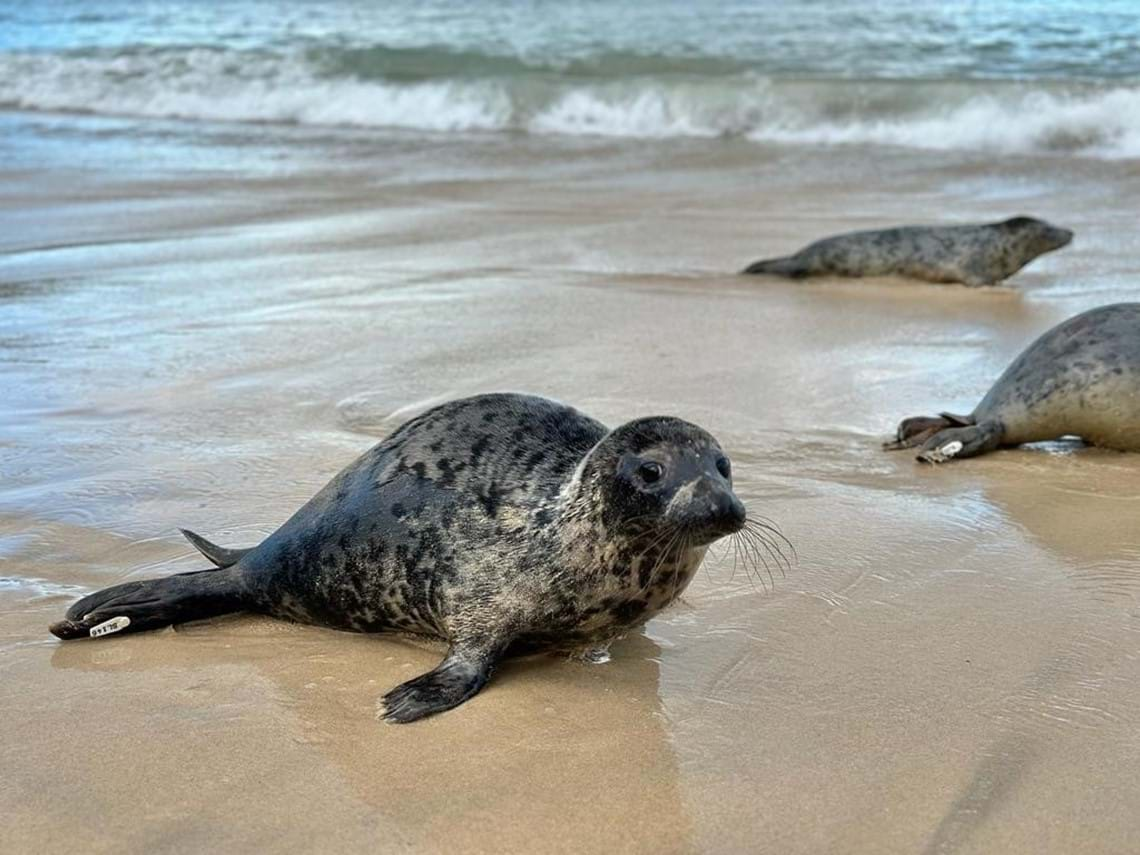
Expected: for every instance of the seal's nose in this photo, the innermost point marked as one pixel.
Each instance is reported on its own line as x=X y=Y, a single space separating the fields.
x=731 y=510
x=725 y=511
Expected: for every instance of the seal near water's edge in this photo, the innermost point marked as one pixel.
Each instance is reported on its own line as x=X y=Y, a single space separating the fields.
x=500 y=523
x=1081 y=378
x=974 y=255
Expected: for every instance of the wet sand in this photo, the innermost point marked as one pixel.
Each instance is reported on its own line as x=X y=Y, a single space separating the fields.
x=952 y=665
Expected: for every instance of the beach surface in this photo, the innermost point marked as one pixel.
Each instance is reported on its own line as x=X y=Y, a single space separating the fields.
x=201 y=329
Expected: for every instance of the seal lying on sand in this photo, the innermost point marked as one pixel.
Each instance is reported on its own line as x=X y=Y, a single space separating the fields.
x=974 y=255
x=499 y=523
x=1081 y=378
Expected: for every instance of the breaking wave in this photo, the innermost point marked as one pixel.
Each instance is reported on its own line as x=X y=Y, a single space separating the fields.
x=609 y=95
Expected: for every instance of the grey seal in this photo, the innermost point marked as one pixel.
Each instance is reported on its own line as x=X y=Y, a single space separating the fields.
x=501 y=523
x=974 y=255
x=1081 y=378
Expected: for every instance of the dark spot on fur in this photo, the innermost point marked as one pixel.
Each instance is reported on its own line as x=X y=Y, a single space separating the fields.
x=479 y=447
x=491 y=498
x=446 y=473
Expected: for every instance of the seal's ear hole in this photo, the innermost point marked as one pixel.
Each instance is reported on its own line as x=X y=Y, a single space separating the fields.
x=723 y=466
x=650 y=472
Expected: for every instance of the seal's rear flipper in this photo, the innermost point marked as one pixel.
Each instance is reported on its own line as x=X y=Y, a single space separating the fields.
x=917 y=430
x=155 y=603
x=957 y=442
x=216 y=555
x=778 y=267
x=458 y=677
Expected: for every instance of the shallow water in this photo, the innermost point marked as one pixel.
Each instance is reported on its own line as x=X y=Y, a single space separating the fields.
x=204 y=337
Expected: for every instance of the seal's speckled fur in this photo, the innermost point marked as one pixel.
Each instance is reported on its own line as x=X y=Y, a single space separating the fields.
x=974 y=255
x=1081 y=378
x=497 y=523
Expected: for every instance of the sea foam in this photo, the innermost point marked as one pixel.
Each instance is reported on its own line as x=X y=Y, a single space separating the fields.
x=224 y=84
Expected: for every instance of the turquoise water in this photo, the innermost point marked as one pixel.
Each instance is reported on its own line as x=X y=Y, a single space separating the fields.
x=1003 y=76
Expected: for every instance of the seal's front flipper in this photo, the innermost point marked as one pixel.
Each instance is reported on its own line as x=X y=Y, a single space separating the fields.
x=152 y=604
x=219 y=556
x=458 y=677
x=953 y=443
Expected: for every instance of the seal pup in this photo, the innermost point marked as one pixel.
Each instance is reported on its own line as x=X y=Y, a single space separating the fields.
x=974 y=255
x=501 y=523
x=1081 y=378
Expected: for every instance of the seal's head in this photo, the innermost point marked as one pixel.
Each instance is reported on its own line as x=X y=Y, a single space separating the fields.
x=662 y=473
x=1037 y=236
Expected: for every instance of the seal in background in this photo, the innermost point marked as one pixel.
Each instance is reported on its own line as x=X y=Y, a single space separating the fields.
x=1081 y=378
x=974 y=255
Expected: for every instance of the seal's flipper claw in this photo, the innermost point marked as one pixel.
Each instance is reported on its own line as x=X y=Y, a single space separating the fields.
x=455 y=680
x=941 y=452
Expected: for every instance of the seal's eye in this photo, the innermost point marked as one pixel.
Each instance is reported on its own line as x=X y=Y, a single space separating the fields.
x=650 y=472
x=724 y=467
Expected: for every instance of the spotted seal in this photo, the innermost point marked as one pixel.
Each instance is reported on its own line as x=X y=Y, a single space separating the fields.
x=499 y=523
x=1081 y=378
x=974 y=255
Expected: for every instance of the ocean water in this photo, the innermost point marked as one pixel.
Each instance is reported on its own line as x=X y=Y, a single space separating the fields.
x=1001 y=76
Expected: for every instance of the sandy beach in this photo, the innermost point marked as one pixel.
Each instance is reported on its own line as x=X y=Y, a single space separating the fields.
x=204 y=337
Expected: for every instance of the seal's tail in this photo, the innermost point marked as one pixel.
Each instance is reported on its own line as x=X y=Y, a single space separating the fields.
x=152 y=604
x=787 y=266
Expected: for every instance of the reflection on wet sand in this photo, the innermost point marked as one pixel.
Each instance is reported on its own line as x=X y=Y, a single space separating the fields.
x=553 y=746
x=1081 y=503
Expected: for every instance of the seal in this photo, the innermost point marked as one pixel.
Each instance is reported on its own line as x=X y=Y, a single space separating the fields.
x=974 y=255
x=501 y=523
x=1081 y=378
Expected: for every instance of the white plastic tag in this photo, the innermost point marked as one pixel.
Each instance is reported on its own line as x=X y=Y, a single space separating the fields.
x=115 y=624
